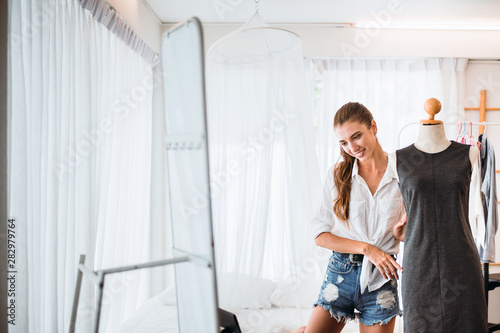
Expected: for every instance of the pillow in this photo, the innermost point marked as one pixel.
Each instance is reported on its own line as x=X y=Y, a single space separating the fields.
x=168 y=296
x=298 y=294
x=235 y=291
x=242 y=291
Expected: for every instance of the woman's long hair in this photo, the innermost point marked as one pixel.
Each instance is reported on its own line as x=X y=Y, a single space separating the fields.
x=342 y=174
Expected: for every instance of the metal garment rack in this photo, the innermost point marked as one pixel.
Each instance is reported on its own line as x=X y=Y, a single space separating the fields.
x=484 y=124
x=482 y=116
x=98 y=279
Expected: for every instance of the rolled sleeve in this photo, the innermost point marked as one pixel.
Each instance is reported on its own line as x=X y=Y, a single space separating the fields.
x=323 y=219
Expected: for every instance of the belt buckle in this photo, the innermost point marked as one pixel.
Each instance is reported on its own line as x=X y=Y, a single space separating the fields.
x=354 y=258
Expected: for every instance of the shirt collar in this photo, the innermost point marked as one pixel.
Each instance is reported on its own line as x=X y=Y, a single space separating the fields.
x=390 y=172
x=388 y=176
x=355 y=171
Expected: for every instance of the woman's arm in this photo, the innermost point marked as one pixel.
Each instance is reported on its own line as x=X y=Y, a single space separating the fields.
x=383 y=261
x=340 y=244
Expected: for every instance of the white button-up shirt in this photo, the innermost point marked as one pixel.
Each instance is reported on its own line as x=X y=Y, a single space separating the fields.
x=371 y=218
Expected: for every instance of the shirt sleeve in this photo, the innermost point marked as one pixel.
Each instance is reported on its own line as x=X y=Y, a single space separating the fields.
x=489 y=184
x=324 y=219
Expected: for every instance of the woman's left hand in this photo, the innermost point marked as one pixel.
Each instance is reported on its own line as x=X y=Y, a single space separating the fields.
x=400 y=229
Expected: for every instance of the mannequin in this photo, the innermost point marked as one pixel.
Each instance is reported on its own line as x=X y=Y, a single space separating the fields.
x=442 y=285
x=431 y=135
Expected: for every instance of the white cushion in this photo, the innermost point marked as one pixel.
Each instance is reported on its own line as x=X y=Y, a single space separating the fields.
x=299 y=294
x=241 y=291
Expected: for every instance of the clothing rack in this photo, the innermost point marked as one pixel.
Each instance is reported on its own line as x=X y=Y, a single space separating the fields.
x=482 y=116
x=483 y=125
x=482 y=109
x=490 y=281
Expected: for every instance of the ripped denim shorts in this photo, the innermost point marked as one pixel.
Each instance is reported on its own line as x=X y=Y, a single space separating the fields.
x=341 y=295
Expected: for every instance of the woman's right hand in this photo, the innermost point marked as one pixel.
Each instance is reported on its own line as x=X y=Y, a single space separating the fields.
x=384 y=262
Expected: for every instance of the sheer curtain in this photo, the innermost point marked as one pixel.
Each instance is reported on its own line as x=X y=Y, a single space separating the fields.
x=79 y=164
x=394 y=90
x=263 y=165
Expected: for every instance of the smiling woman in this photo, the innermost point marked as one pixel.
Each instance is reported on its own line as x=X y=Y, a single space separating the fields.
x=362 y=271
x=354 y=139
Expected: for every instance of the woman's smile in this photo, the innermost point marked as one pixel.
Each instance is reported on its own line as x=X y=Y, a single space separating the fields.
x=360 y=154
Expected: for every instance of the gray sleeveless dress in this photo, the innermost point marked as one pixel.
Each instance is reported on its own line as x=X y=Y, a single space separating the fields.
x=442 y=284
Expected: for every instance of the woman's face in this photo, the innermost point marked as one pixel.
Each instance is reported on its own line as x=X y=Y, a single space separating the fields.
x=357 y=139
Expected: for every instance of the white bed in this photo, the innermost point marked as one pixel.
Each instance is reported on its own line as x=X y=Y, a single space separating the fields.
x=260 y=306
x=155 y=317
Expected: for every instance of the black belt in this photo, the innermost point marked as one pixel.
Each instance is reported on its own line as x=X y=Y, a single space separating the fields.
x=353 y=257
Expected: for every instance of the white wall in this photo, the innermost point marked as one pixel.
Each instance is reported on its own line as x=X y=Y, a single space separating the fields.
x=351 y=42
x=142 y=19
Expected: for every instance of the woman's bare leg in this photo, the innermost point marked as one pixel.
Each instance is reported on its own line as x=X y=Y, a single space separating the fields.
x=321 y=322
x=377 y=328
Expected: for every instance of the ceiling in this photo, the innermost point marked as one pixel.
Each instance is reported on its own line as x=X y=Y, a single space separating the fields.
x=476 y=14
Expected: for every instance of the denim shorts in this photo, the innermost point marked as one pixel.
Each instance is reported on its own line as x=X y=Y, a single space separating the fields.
x=341 y=295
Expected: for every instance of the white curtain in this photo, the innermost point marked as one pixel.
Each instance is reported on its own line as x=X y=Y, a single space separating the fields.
x=263 y=165
x=394 y=90
x=79 y=164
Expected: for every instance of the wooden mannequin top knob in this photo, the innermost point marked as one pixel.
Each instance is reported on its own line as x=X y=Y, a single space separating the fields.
x=432 y=106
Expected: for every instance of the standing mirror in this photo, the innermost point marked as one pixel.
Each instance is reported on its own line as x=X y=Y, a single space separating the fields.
x=188 y=176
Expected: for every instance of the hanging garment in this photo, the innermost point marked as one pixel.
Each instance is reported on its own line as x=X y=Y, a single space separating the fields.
x=476 y=209
x=442 y=285
x=489 y=190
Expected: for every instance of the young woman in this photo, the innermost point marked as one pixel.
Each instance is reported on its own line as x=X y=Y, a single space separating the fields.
x=359 y=210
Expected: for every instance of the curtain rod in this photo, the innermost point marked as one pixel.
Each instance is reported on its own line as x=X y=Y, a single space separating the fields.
x=481 y=123
x=104 y=13
x=399 y=58
x=380 y=58
x=486 y=60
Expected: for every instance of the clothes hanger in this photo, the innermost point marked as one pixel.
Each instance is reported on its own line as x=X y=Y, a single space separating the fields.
x=462 y=135
x=473 y=140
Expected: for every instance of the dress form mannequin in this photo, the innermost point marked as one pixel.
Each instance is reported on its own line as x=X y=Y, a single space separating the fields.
x=434 y=177
x=431 y=137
